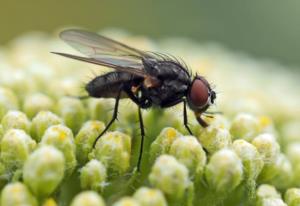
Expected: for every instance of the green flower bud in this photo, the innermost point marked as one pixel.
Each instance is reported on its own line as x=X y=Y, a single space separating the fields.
x=244 y=126
x=214 y=139
x=252 y=163
x=16 y=194
x=72 y=111
x=126 y=201
x=292 y=197
x=68 y=86
x=61 y=137
x=113 y=150
x=267 y=146
x=42 y=121
x=189 y=152
x=293 y=154
x=279 y=174
x=97 y=108
x=85 y=139
x=267 y=195
x=8 y=101
x=150 y=197
x=44 y=170
x=49 y=202
x=170 y=176
x=93 y=176
x=88 y=198
x=267 y=191
x=271 y=202
x=163 y=142
x=15 y=120
x=37 y=102
x=16 y=146
x=224 y=171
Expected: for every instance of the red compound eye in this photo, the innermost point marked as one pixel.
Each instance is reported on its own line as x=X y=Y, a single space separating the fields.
x=199 y=93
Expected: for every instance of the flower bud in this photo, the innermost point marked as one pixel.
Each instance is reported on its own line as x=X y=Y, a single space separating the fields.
x=15 y=120
x=126 y=201
x=113 y=150
x=93 y=176
x=37 y=102
x=42 y=121
x=61 y=137
x=49 y=202
x=224 y=171
x=279 y=174
x=267 y=146
x=293 y=154
x=150 y=197
x=72 y=112
x=44 y=170
x=292 y=197
x=163 y=142
x=20 y=82
x=85 y=139
x=189 y=152
x=8 y=101
x=244 y=126
x=267 y=191
x=214 y=139
x=268 y=196
x=16 y=194
x=88 y=198
x=16 y=146
x=252 y=163
x=97 y=108
x=170 y=176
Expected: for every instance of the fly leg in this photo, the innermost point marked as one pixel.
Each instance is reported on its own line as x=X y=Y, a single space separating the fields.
x=114 y=117
x=142 y=139
x=185 y=118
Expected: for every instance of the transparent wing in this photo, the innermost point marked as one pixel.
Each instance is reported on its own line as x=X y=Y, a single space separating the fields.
x=103 y=49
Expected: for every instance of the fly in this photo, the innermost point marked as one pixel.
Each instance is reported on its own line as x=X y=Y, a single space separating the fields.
x=148 y=79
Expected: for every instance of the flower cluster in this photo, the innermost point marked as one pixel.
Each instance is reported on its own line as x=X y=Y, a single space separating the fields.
x=249 y=154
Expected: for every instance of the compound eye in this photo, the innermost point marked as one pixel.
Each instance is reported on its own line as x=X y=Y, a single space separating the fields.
x=199 y=93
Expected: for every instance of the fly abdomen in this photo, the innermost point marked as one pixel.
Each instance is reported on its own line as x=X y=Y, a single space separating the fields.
x=108 y=85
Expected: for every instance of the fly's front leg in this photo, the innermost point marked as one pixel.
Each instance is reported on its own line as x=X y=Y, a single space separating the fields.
x=114 y=117
x=142 y=139
x=185 y=118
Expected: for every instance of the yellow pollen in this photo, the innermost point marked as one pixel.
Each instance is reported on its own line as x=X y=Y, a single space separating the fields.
x=264 y=121
x=50 y=202
x=62 y=135
x=16 y=189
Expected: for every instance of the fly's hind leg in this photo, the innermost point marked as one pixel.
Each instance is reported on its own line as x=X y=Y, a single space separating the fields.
x=185 y=118
x=114 y=117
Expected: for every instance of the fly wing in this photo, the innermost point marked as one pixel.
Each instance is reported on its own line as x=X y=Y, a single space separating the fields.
x=105 y=51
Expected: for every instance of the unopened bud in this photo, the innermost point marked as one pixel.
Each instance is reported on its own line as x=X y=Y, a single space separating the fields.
x=150 y=197
x=170 y=176
x=93 y=176
x=61 y=137
x=44 y=170
x=113 y=150
x=88 y=198
x=224 y=171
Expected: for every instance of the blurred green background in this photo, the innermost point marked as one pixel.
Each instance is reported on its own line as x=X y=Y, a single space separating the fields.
x=263 y=28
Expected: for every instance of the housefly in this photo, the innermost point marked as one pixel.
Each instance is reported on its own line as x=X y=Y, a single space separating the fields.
x=148 y=79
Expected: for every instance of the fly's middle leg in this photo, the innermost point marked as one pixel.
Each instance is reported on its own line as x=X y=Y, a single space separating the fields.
x=114 y=117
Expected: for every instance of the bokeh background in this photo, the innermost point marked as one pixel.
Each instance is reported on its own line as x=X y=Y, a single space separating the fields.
x=263 y=28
